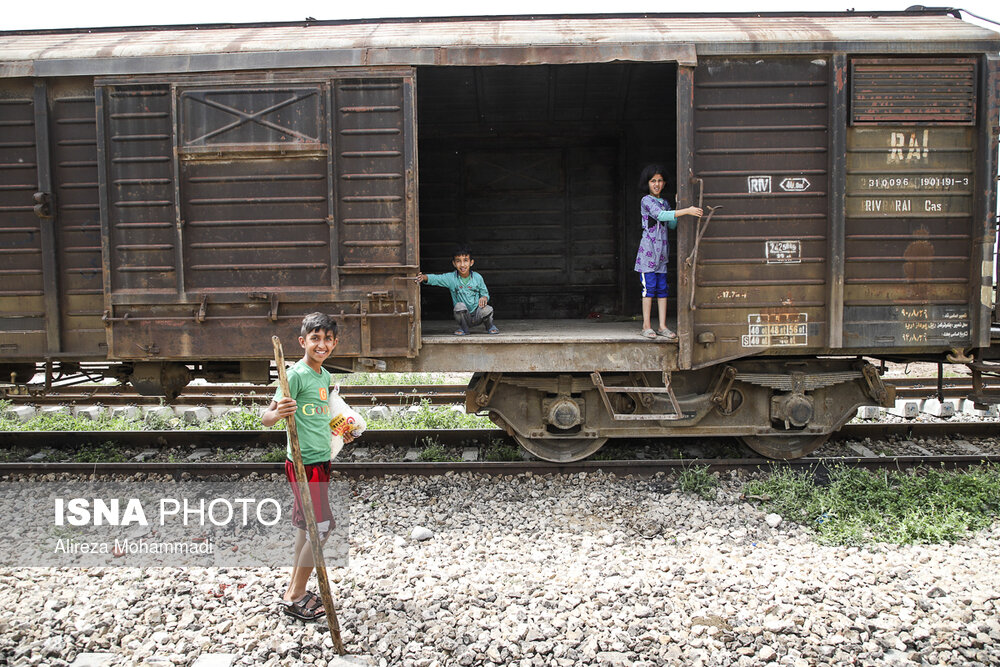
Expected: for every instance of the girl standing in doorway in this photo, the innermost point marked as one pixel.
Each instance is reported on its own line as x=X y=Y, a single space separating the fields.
x=654 y=249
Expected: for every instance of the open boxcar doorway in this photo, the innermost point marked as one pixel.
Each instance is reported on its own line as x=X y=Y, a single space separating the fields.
x=537 y=168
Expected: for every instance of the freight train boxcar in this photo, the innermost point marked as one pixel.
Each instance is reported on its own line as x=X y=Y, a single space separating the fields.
x=170 y=197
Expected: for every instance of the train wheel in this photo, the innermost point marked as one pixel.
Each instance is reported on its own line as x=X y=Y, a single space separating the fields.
x=561 y=450
x=785 y=446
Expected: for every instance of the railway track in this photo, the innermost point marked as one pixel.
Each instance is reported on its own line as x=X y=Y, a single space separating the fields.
x=494 y=468
x=245 y=394
x=435 y=394
x=409 y=437
x=269 y=440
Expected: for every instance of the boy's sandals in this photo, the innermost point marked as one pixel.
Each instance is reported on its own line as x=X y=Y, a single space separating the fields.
x=493 y=330
x=667 y=333
x=648 y=333
x=459 y=332
x=309 y=607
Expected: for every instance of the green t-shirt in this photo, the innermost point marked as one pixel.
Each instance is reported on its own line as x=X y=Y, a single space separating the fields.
x=312 y=415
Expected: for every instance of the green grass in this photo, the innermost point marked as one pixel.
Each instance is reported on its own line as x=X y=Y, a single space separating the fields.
x=430 y=417
x=862 y=507
x=276 y=455
x=68 y=422
x=498 y=450
x=434 y=451
x=244 y=419
x=426 y=416
x=106 y=452
x=699 y=481
x=392 y=378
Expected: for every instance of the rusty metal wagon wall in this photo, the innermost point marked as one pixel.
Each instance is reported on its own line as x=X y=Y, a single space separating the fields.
x=171 y=197
x=242 y=201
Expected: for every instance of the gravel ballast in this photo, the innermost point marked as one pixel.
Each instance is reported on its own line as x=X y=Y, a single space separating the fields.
x=527 y=570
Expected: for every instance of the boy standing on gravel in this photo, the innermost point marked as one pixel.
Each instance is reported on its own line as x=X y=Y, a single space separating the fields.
x=309 y=389
x=468 y=292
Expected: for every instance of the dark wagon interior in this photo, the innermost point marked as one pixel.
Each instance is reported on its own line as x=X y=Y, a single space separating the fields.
x=536 y=168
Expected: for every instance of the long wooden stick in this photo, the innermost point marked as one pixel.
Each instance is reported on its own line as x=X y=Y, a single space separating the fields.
x=307 y=507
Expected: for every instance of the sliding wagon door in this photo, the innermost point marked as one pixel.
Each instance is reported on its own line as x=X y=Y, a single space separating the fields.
x=236 y=205
x=757 y=278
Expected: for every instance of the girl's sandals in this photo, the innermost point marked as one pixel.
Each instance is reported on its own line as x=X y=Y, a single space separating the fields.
x=648 y=333
x=666 y=333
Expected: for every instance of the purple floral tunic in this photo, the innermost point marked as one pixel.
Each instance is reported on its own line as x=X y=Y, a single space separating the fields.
x=654 y=248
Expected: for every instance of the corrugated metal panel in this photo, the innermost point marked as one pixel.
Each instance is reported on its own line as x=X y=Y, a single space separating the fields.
x=22 y=297
x=913 y=90
x=255 y=212
x=522 y=41
x=246 y=235
x=75 y=173
x=140 y=185
x=761 y=148
x=256 y=224
x=371 y=185
x=908 y=233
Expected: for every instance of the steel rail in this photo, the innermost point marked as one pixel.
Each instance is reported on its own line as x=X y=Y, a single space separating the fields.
x=435 y=394
x=445 y=437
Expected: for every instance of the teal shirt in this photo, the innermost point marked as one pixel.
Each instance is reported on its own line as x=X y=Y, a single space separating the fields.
x=669 y=217
x=311 y=390
x=465 y=290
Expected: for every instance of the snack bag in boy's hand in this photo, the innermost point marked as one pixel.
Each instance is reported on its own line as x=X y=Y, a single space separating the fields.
x=343 y=418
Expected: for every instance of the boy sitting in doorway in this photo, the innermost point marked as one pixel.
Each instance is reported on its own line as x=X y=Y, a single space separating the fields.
x=468 y=292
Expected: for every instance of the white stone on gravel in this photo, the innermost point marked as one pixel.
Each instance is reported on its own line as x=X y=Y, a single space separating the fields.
x=470 y=454
x=124 y=412
x=773 y=520
x=380 y=412
x=869 y=412
x=21 y=413
x=936 y=408
x=215 y=660
x=93 y=659
x=360 y=453
x=419 y=533
x=91 y=412
x=42 y=454
x=861 y=450
x=199 y=454
x=905 y=409
x=161 y=412
x=412 y=454
x=351 y=661
x=196 y=415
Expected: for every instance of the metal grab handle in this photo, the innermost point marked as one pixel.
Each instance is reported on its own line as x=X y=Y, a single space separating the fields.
x=692 y=261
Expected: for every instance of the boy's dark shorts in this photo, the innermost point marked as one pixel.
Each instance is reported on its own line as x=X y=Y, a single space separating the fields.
x=318 y=475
